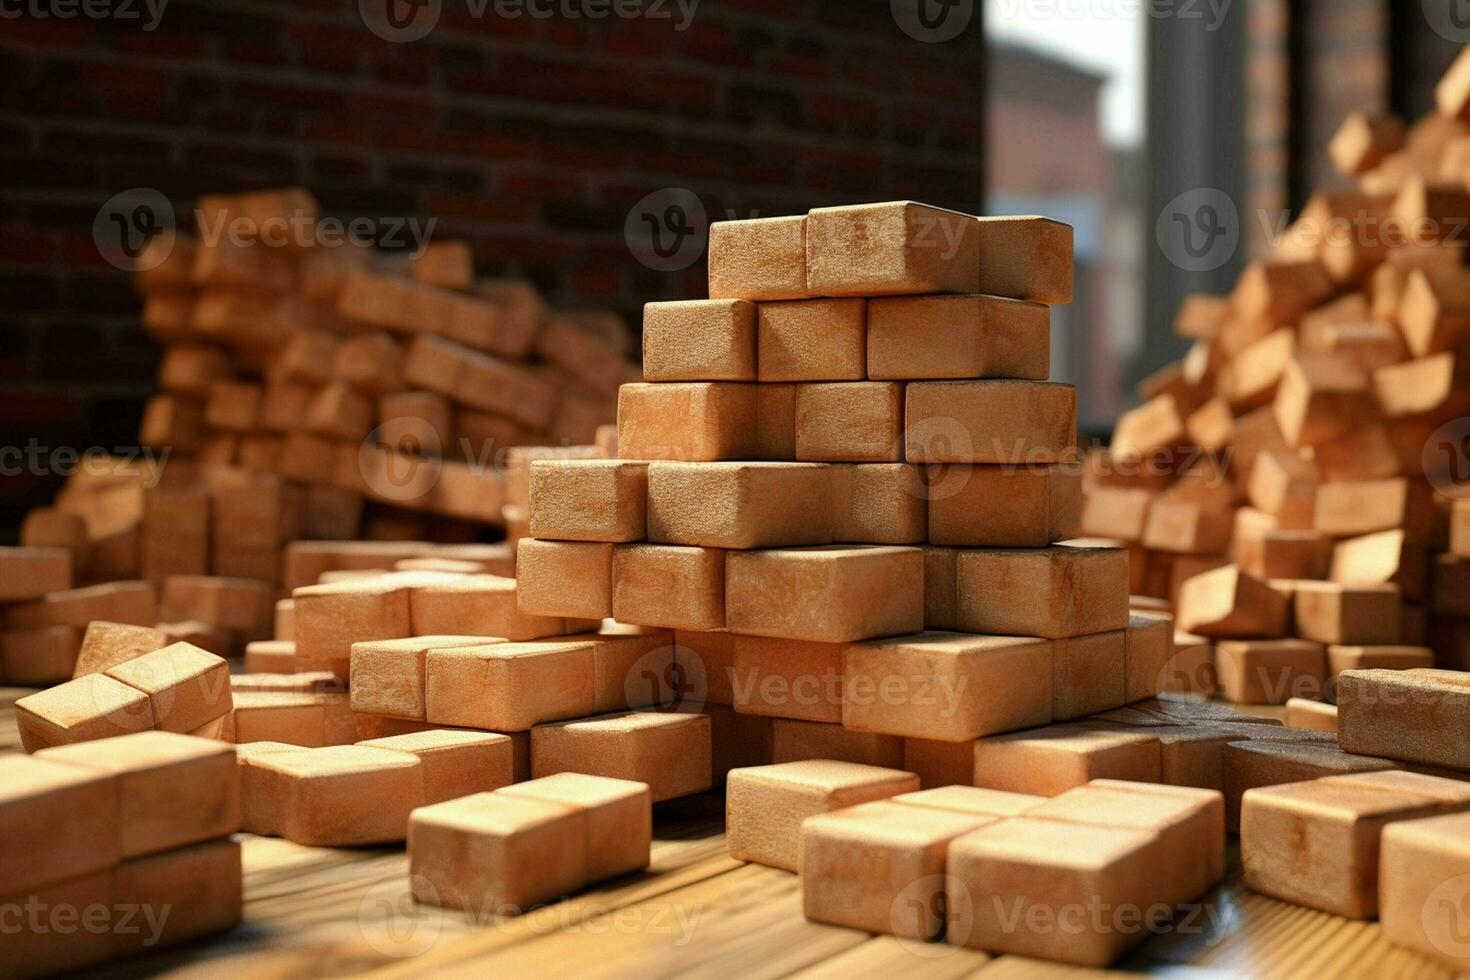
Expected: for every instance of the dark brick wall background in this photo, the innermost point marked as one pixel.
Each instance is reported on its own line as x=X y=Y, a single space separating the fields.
x=532 y=138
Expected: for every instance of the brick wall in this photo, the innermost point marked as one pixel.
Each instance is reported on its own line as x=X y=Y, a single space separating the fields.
x=531 y=137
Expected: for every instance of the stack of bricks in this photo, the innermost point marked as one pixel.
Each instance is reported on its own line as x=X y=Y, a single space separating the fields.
x=842 y=484
x=1289 y=486
x=117 y=847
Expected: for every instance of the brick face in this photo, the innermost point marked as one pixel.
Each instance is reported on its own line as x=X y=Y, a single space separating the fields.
x=531 y=137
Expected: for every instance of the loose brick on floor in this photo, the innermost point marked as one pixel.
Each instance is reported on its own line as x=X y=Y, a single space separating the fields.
x=1048 y=761
x=455 y=763
x=341 y=796
x=619 y=818
x=173 y=790
x=496 y=854
x=1259 y=762
x=202 y=884
x=947 y=686
x=830 y=595
x=82 y=710
x=669 y=752
x=766 y=805
x=879 y=866
x=1334 y=823
x=57 y=821
x=186 y=687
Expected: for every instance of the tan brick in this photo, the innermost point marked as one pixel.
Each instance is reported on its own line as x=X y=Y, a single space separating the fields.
x=1148 y=655
x=342 y=796
x=1330 y=612
x=1089 y=674
x=947 y=686
x=565 y=578
x=669 y=752
x=654 y=421
x=39 y=657
x=496 y=851
x=879 y=503
x=797 y=741
x=236 y=604
x=455 y=764
x=957 y=337
x=82 y=710
x=388 y=676
x=330 y=618
x=1314 y=715
x=1227 y=602
x=812 y=340
x=1259 y=762
x=1270 y=671
x=892 y=248
x=758 y=259
x=1362 y=142
x=766 y=805
x=1049 y=761
x=1115 y=512
x=1423 y=868
x=619 y=818
x=107 y=644
x=739 y=505
x=589 y=500
x=1182 y=527
x=1284 y=554
x=879 y=867
x=674 y=587
x=1015 y=422
x=788 y=678
x=311 y=719
x=186 y=687
x=1003 y=506
x=47 y=951
x=509 y=686
x=864 y=592
x=1026 y=257
x=58 y=821
x=476 y=605
x=203 y=883
x=30 y=573
x=850 y=422
x=1047 y=592
x=700 y=340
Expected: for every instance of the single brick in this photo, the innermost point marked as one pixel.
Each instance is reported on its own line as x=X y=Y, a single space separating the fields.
x=798 y=741
x=699 y=340
x=1228 y=603
x=1026 y=257
x=812 y=340
x=107 y=644
x=565 y=578
x=766 y=805
x=1331 y=612
x=893 y=248
x=1048 y=761
x=669 y=752
x=1423 y=865
x=1013 y=422
x=832 y=595
x=879 y=503
x=589 y=500
x=1003 y=506
x=82 y=710
x=850 y=422
x=1049 y=592
x=455 y=763
x=57 y=821
x=388 y=676
x=1089 y=674
x=758 y=259
x=694 y=421
x=1270 y=671
x=924 y=338
x=788 y=678
x=739 y=505
x=509 y=686
x=619 y=818
x=670 y=586
x=342 y=796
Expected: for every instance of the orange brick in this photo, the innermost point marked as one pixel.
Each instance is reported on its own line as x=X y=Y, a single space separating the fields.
x=1315 y=715
x=1047 y=592
x=853 y=422
x=1026 y=257
x=454 y=763
x=832 y=595
x=1330 y=612
x=788 y=678
x=589 y=500
x=341 y=796
x=59 y=821
x=947 y=686
x=766 y=805
x=1016 y=422
x=700 y=340
x=1049 y=761
x=39 y=657
x=1089 y=674
x=1362 y=142
x=654 y=421
x=670 y=586
x=879 y=867
x=669 y=752
x=1270 y=671
x=1003 y=506
x=330 y=618
x=1228 y=603
x=879 y=503
x=509 y=687
x=186 y=687
x=1422 y=868
x=106 y=645
x=30 y=573
x=496 y=851
x=1249 y=764
x=202 y=882
x=1148 y=655
x=897 y=247
x=82 y=710
x=388 y=676
x=812 y=340
x=758 y=259
x=739 y=505
x=173 y=790
x=619 y=818
x=933 y=337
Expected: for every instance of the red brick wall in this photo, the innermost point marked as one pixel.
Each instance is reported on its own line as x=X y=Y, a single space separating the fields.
x=532 y=138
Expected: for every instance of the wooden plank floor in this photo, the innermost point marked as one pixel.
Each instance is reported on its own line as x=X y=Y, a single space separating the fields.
x=322 y=912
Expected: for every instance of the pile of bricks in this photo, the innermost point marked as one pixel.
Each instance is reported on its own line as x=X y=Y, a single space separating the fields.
x=1289 y=487
x=117 y=847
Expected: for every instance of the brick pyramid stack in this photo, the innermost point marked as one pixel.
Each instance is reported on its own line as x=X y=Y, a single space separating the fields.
x=841 y=484
x=1288 y=486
